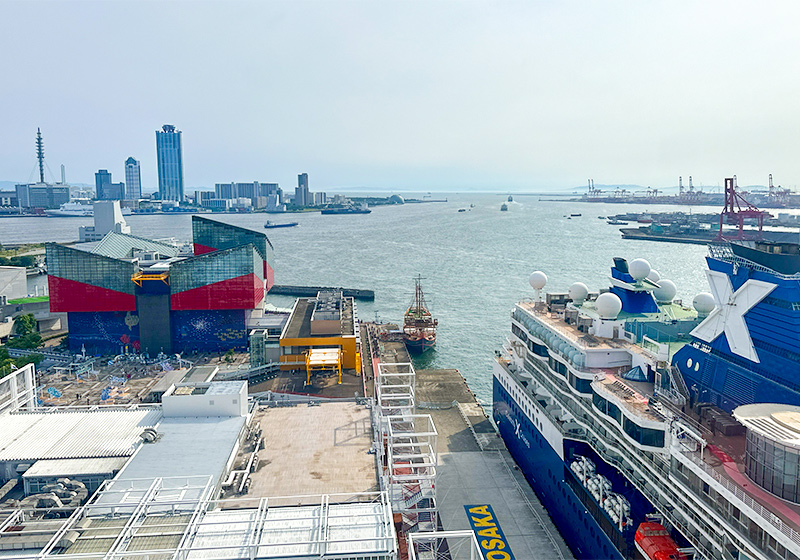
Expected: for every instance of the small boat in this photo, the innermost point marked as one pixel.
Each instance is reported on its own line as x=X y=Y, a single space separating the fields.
x=504 y=207
x=270 y=225
x=616 y=223
x=574 y=215
x=654 y=542
x=510 y=198
x=462 y=209
x=601 y=217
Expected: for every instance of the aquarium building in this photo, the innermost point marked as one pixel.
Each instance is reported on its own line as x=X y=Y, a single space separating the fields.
x=127 y=293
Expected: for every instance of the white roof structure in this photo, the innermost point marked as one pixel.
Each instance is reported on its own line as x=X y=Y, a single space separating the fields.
x=777 y=422
x=73 y=434
x=176 y=518
x=318 y=531
x=55 y=468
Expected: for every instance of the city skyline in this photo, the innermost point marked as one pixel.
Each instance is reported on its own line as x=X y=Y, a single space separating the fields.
x=410 y=96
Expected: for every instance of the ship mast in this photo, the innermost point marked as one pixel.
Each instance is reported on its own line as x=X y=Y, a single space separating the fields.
x=419 y=297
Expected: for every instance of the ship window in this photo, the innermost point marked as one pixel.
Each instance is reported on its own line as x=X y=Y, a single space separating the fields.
x=600 y=403
x=614 y=412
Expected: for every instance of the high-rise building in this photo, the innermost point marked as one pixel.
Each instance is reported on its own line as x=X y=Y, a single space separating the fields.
x=301 y=195
x=169 y=153
x=133 y=179
x=105 y=189
x=102 y=183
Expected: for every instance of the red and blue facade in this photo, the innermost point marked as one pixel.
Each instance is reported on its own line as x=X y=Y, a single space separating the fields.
x=200 y=305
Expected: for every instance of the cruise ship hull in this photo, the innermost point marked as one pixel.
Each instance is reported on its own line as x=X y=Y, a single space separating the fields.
x=544 y=457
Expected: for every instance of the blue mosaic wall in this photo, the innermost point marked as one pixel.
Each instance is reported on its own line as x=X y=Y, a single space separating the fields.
x=208 y=331
x=103 y=332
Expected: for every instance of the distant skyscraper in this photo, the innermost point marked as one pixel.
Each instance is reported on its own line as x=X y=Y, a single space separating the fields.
x=301 y=195
x=133 y=180
x=169 y=153
x=102 y=184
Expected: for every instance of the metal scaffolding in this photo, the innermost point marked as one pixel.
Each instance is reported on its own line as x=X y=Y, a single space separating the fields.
x=407 y=447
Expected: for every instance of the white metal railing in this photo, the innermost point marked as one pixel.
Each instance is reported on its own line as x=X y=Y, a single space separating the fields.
x=760 y=510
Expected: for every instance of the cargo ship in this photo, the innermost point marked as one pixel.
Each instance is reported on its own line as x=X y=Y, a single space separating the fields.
x=419 y=326
x=654 y=429
x=351 y=209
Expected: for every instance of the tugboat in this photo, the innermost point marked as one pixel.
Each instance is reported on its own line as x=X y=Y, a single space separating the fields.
x=419 y=327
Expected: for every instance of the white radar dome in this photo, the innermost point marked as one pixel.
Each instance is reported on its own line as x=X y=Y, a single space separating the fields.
x=578 y=292
x=639 y=269
x=608 y=305
x=654 y=276
x=703 y=303
x=666 y=291
x=537 y=280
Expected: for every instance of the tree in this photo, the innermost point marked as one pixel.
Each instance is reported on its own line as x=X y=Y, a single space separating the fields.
x=25 y=324
x=30 y=341
x=229 y=356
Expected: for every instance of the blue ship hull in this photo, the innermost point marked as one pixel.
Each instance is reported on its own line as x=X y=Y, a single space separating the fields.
x=587 y=530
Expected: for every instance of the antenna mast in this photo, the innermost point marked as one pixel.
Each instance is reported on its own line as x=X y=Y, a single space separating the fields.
x=40 y=153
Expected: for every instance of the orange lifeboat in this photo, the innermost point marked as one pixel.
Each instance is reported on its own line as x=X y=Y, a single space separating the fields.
x=654 y=542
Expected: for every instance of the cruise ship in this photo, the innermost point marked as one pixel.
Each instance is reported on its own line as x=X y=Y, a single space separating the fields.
x=652 y=429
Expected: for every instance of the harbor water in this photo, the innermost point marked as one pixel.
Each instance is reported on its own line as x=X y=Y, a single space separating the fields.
x=475 y=263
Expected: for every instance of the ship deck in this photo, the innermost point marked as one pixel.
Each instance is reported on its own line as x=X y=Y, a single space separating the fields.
x=723 y=458
x=476 y=468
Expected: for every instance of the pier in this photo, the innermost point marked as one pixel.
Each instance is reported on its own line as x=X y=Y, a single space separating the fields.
x=474 y=467
x=311 y=291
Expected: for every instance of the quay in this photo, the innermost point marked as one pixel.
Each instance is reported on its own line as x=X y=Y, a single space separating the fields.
x=474 y=467
x=311 y=291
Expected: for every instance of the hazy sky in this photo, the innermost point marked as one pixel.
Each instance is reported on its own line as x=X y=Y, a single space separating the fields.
x=406 y=95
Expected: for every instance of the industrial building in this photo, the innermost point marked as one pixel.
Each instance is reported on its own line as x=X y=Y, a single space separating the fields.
x=326 y=322
x=127 y=292
x=168 y=470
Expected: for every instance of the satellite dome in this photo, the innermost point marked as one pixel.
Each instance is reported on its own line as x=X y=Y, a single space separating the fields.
x=578 y=292
x=666 y=291
x=703 y=303
x=608 y=305
x=639 y=269
x=397 y=199
x=537 y=280
x=654 y=276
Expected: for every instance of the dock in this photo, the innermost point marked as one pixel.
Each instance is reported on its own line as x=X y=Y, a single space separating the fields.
x=474 y=467
x=311 y=291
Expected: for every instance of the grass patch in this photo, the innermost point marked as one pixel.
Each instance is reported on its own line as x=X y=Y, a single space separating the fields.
x=35 y=299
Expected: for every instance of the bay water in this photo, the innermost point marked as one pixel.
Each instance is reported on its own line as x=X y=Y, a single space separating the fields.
x=475 y=263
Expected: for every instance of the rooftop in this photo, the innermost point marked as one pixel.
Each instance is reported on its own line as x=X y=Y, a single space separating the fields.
x=314 y=449
x=73 y=434
x=299 y=324
x=189 y=446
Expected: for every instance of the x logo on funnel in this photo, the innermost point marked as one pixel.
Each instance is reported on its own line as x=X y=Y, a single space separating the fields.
x=728 y=315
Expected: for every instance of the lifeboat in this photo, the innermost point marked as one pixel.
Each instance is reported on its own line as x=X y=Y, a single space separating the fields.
x=653 y=541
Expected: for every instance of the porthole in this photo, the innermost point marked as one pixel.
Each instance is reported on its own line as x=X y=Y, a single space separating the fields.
x=697 y=366
x=689 y=363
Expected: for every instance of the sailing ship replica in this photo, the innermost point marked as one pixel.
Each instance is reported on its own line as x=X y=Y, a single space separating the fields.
x=419 y=326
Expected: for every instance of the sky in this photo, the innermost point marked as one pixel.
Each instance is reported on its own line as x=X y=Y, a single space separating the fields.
x=427 y=95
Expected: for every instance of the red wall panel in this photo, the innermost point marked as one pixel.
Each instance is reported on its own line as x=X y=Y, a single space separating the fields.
x=202 y=249
x=242 y=292
x=269 y=275
x=69 y=295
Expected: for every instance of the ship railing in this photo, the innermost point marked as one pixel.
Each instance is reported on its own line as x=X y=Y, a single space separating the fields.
x=737 y=491
x=605 y=445
x=723 y=252
x=662 y=466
